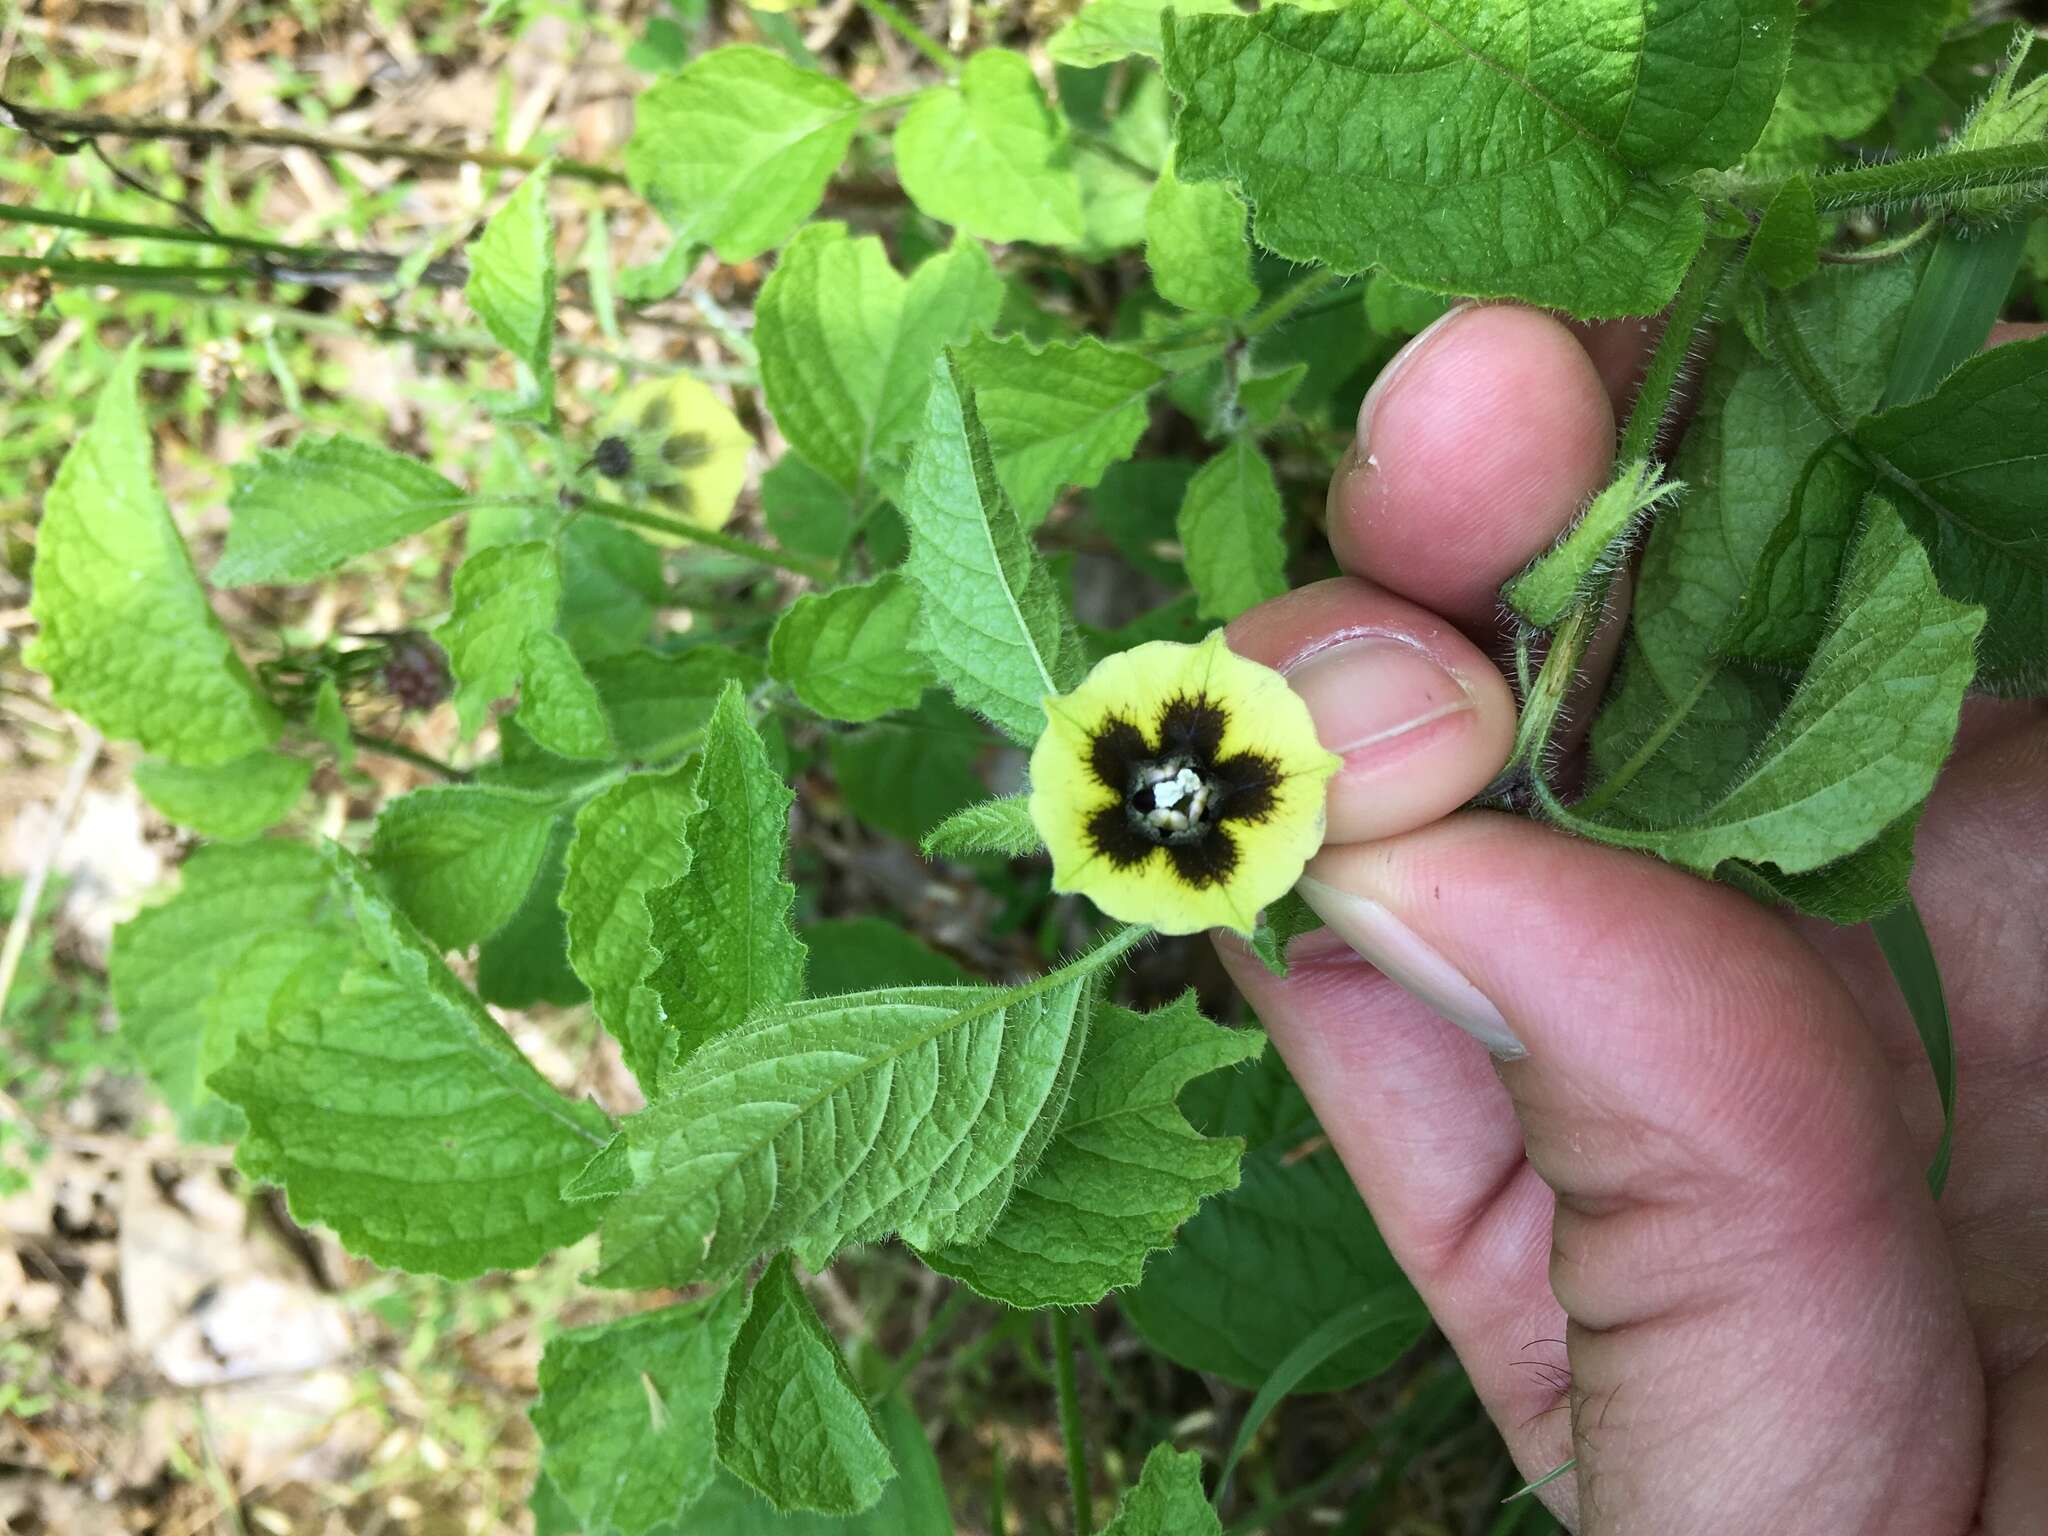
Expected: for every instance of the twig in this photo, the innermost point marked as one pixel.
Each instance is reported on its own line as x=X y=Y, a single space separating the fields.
x=911 y=33
x=1071 y=1429
x=385 y=747
x=42 y=123
x=39 y=874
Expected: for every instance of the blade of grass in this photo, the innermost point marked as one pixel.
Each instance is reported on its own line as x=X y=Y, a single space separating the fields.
x=1965 y=285
x=1903 y=938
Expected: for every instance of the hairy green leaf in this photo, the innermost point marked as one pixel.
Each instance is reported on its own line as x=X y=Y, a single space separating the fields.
x=906 y=774
x=611 y=585
x=558 y=704
x=734 y=152
x=229 y=802
x=990 y=618
x=1122 y=1171
x=186 y=974
x=393 y=1109
x=793 y=1424
x=1233 y=531
x=659 y=702
x=1519 y=150
x=502 y=595
x=859 y=954
x=1279 y=926
x=1785 y=611
x=1785 y=250
x=1002 y=825
x=847 y=653
x=913 y=1504
x=1261 y=1268
x=458 y=859
x=629 y=841
x=1864 y=734
x=1168 y=1499
x=1195 y=245
x=805 y=509
x=840 y=1119
x=527 y=961
x=1103 y=31
x=1973 y=456
x=625 y=1413
x=123 y=630
x=1849 y=58
x=990 y=155
x=722 y=929
x=1056 y=416
x=512 y=280
x=300 y=513
x=847 y=346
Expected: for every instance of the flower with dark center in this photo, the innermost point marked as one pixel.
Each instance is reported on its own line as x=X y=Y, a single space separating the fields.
x=672 y=445
x=1180 y=786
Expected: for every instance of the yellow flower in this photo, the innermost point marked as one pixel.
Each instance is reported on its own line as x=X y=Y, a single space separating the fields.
x=1180 y=786
x=672 y=445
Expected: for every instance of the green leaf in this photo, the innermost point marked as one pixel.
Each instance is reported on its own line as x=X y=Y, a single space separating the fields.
x=907 y=774
x=792 y=1423
x=1168 y=1499
x=1903 y=938
x=859 y=954
x=913 y=1504
x=629 y=841
x=185 y=974
x=806 y=511
x=502 y=595
x=512 y=279
x=330 y=726
x=1195 y=245
x=1056 y=416
x=558 y=705
x=735 y=151
x=990 y=155
x=1849 y=59
x=1136 y=505
x=458 y=859
x=836 y=1120
x=847 y=653
x=1103 y=31
x=611 y=585
x=1785 y=250
x=1520 y=151
x=393 y=1109
x=1864 y=734
x=302 y=512
x=1233 y=529
x=1973 y=456
x=1000 y=826
x=723 y=929
x=229 y=802
x=1567 y=574
x=527 y=961
x=1785 y=612
x=1280 y=925
x=1261 y=1268
x=625 y=1413
x=658 y=703
x=1122 y=1171
x=123 y=630
x=1859 y=888
x=847 y=346
x=991 y=619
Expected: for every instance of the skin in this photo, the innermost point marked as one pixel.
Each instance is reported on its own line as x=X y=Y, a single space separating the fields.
x=1687 y=1237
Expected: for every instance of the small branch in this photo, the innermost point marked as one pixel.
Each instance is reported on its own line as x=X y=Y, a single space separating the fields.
x=1660 y=380
x=1072 y=1430
x=339 y=272
x=894 y=19
x=1938 y=177
x=45 y=123
x=31 y=896
x=674 y=527
x=384 y=746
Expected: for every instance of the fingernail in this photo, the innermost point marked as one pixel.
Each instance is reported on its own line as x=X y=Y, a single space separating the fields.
x=1410 y=963
x=1396 y=365
x=1371 y=690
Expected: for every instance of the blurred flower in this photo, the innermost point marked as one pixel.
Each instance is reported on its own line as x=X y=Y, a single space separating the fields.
x=416 y=671
x=1180 y=786
x=674 y=445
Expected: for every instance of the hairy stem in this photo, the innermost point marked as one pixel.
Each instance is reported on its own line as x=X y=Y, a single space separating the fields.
x=384 y=746
x=1071 y=1428
x=760 y=554
x=896 y=21
x=1932 y=176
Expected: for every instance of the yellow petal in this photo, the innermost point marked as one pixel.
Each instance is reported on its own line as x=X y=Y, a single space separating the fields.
x=698 y=480
x=1261 y=715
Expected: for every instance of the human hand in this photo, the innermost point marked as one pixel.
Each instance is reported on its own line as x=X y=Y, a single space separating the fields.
x=1696 y=1156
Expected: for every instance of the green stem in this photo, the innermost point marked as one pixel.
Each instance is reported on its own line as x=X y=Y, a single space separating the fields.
x=1667 y=364
x=52 y=218
x=1263 y=320
x=1071 y=1429
x=760 y=554
x=1931 y=176
x=1883 y=250
x=911 y=33
x=1806 y=371
x=384 y=746
x=942 y=1321
x=45 y=123
x=1549 y=1477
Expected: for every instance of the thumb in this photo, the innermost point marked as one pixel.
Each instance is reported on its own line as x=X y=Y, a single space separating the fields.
x=1764 y=1325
